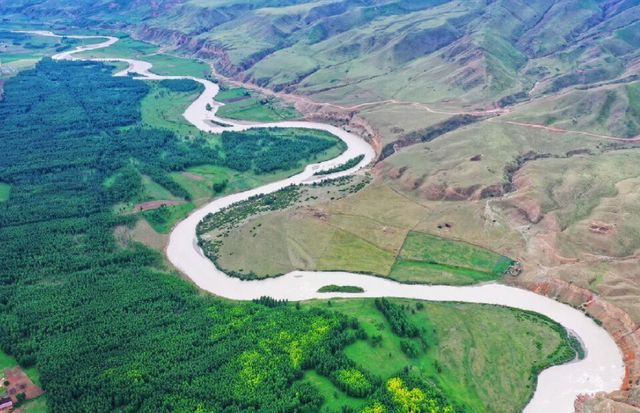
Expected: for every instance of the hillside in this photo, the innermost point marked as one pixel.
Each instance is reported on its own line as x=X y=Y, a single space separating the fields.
x=351 y=51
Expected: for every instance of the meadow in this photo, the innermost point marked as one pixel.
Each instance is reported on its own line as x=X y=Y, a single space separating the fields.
x=242 y=104
x=474 y=375
x=321 y=235
x=163 y=107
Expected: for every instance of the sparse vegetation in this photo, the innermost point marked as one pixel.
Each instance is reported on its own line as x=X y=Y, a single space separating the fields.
x=340 y=289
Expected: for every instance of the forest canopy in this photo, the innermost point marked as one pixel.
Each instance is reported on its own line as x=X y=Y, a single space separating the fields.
x=108 y=328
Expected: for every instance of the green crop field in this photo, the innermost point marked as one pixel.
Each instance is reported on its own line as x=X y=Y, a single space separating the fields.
x=436 y=260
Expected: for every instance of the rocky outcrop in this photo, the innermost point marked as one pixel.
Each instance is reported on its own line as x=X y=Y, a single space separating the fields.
x=350 y=122
x=186 y=43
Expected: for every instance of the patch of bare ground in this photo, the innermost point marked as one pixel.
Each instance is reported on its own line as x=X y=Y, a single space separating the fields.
x=20 y=383
x=192 y=176
x=147 y=206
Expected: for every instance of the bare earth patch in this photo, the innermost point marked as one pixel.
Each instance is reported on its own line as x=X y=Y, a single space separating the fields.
x=147 y=206
x=19 y=383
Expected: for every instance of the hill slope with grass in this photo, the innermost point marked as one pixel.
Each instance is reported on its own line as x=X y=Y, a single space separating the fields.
x=473 y=52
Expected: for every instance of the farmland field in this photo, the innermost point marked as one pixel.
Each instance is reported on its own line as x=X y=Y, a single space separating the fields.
x=426 y=258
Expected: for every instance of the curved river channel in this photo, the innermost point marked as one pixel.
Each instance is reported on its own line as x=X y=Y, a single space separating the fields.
x=601 y=370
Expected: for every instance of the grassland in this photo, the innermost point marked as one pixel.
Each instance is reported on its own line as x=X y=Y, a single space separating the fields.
x=445 y=169
x=474 y=369
x=164 y=218
x=609 y=110
x=169 y=65
x=163 y=64
x=340 y=289
x=38 y=405
x=163 y=108
x=591 y=198
x=323 y=236
x=200 y=180
x=242 y=104
x=6 y=361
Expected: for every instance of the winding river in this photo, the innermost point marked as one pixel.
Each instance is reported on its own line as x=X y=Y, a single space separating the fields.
x=601 y=370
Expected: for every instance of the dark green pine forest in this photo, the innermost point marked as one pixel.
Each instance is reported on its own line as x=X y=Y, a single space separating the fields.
x=109 y=327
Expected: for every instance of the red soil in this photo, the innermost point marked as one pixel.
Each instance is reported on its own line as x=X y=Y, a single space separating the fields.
x=19 y=382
